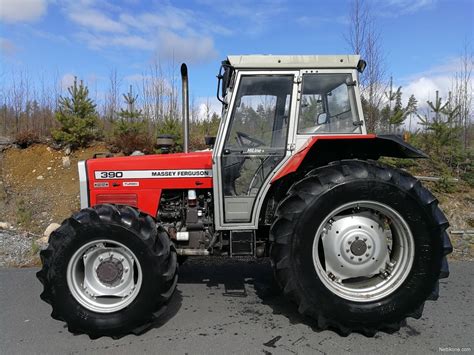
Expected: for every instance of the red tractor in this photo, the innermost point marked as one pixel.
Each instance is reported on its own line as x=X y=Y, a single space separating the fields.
x=292 y=174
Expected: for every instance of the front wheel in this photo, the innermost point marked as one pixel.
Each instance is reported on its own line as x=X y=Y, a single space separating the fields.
x=108 y=270
x=359 y=246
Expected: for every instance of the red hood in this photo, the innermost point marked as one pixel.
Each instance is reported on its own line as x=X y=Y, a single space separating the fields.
x=193 y=160
x=139 y=180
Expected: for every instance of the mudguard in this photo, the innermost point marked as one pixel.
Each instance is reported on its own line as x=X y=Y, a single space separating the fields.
x=320 y=150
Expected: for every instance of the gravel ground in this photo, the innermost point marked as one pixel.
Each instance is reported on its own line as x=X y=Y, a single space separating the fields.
x=16 y=249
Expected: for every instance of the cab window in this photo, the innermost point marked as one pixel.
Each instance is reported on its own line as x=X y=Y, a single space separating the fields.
x=328 y=105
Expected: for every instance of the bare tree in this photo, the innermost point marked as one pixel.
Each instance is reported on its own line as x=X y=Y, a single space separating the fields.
x=364 y=39
x=359 y=22
x=112 y=98
x=462 y=89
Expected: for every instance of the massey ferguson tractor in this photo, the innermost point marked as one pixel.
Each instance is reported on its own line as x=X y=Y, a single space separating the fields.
x=292 y=174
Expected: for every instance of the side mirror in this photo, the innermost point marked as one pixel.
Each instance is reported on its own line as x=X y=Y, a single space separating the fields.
x=322 y=118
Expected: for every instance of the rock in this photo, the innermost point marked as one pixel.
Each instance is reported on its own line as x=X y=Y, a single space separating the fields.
x=48 y=149
x=5 y=225
x=34 y=171
x=49 y=168
x=137 y=152
x=40 y=177
x=50 y=229
x=67 y=150
x=66 y=162
x=42 y=242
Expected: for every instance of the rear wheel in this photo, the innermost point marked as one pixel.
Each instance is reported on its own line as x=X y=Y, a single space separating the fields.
x=108 y=270
x=359 y=246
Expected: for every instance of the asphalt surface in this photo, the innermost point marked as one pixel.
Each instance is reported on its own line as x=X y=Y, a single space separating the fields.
x=232 y=307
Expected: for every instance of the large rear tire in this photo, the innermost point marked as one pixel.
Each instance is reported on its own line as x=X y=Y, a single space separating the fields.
x=359 y=246
x=108 y=271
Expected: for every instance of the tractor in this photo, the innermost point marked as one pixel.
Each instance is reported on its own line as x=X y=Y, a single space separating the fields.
x=292 y=175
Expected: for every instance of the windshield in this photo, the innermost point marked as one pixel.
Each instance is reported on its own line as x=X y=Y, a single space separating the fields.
x=328 y=105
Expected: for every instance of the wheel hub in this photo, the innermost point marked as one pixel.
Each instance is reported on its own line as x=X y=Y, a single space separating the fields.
x=110 y=271
x=358 y=247
x=355 y=246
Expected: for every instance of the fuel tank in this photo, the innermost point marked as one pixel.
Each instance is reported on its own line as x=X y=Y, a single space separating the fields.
x=139 y=180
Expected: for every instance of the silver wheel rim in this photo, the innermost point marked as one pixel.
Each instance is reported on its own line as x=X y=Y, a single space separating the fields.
x=104 y=276
x=363 y=251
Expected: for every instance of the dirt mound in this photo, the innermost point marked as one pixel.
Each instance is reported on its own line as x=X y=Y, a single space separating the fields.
x=36 y=189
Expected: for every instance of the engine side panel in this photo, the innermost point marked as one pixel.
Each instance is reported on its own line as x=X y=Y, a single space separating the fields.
x=139 y=180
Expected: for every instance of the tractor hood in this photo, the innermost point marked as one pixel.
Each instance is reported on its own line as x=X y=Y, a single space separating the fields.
x=138 y=180
x=151 y=163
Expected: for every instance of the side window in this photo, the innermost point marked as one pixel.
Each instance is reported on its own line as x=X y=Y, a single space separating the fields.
x=328 y=105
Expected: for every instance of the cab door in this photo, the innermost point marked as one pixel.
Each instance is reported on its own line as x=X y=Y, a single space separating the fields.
x=253 y=142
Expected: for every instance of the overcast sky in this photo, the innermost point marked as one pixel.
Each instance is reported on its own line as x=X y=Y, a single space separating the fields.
x=422 y=39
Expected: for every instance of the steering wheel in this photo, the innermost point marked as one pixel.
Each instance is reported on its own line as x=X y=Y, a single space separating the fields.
x=241 y=136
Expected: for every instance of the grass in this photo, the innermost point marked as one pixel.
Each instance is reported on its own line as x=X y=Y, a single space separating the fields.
x=23 y=214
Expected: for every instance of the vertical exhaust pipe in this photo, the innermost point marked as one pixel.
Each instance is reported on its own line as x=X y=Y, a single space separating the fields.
x=185 y=95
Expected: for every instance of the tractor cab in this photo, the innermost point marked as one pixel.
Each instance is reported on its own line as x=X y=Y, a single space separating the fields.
x=272 y=105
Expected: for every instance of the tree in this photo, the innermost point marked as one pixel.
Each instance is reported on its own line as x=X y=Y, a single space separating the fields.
x=112 y=97
x=462 y=89
x=130 y=130
x=364 y=39
x=441 y=127
x=77 y=116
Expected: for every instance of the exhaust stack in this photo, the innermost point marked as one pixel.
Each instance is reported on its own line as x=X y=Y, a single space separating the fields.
x=185 y=95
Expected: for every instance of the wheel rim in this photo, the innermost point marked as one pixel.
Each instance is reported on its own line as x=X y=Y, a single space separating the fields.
x=363 y=251
x=104 y=276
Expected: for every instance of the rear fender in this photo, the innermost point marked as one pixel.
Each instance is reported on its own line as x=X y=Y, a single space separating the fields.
x=321 y=150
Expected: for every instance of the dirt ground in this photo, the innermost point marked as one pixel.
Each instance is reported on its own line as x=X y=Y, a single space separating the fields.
x=36 y=190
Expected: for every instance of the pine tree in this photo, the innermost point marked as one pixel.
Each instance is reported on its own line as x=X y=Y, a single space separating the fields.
x=130 y=130
x=130 y=120
x=394 y=117
x=443 y=130
x=78 y=117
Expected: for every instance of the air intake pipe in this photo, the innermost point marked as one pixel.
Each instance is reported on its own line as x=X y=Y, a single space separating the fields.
x=185 y=95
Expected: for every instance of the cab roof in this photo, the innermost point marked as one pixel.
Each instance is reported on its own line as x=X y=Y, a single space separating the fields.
x=262 y=61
